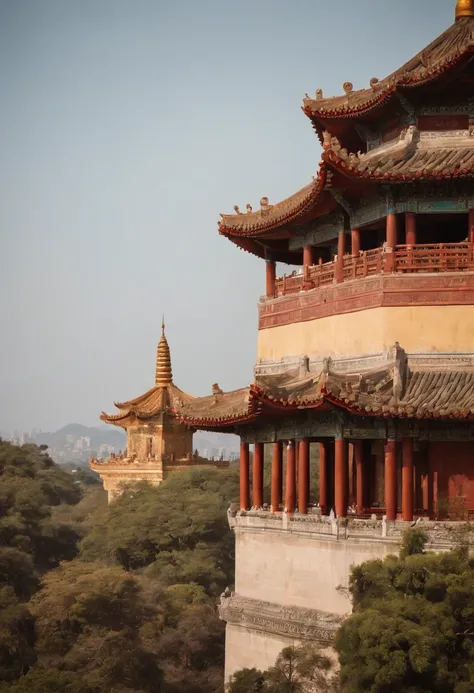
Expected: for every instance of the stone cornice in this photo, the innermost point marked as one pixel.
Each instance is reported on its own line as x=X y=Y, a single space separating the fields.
x=360 y=364
x=289 y=621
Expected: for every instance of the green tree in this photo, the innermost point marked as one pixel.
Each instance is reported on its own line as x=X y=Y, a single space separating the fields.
x=412 y=629
x=136 y=610
x=30 y=484
x=16 y=636
x=248 y=681
x=178 y=531
x=31 y=542
x=301 y=669
x=88 y=620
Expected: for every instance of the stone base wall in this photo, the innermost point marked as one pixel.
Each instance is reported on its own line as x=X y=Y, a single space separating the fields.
x=246 y=648
x=292 y=575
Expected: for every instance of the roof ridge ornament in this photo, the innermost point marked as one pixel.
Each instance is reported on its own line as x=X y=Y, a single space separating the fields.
x=464 y=8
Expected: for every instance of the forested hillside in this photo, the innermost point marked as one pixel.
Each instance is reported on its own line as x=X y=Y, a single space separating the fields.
x=98 y=599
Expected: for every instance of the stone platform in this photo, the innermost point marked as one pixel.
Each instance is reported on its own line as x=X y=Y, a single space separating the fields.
x=292 y=575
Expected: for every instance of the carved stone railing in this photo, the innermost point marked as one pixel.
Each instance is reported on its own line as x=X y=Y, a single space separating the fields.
x=442 y=535
x=132 y=462
x=439 y=257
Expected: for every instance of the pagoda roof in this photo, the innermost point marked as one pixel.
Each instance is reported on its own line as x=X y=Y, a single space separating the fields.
x=147 y=406
x=407 y=160
x=441 y=55
x=164 y=396
x=389 y=391
x=270 y=217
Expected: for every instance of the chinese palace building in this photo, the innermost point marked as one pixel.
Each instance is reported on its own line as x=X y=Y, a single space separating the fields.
x=157 y=442
x=365 y=354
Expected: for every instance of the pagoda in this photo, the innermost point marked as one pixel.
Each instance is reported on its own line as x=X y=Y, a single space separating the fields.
x=157 y=441
x=365 y=352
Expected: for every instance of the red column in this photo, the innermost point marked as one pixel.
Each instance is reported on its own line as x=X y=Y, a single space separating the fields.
x=290 y=495
x=270 y=268
x=244 y=477
x=323 y=477
x=341 y=474
x=391 y=480
x=407 y=479
x=257 y=501
x=391 y=230
x=470 y=235
x=277 y=470
x=341 y=249
x=308 y=256
x=355 y=242
x=360 y=480
x=410 y=228
x=303 y=476
x=425 y=496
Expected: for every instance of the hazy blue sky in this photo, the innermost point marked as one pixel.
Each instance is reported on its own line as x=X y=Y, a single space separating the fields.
x=125 y=128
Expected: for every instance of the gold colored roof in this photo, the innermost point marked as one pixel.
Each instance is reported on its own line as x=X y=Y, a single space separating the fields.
x=441 y=54
x=163 y=396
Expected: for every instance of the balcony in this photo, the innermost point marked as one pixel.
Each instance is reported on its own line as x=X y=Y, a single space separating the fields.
x=403 y=259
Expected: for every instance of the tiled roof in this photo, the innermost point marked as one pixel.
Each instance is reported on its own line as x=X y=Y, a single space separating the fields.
x=274 y=216
x=441 y=54
x=219 y=409
x=401 y=163
x=381 y=392
x=148 y=405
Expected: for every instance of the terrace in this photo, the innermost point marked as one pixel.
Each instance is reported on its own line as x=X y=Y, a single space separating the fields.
x=402 y=259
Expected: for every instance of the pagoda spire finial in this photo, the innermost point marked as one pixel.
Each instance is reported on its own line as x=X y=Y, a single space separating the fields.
x=464 y=8
x=163 y=374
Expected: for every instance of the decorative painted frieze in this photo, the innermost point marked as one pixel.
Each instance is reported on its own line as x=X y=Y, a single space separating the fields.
x=376 y=210
x=318 y=425
x=457 y=109
x=319 y=232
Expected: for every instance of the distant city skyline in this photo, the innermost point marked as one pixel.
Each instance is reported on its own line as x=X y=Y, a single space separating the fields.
x=76 y=443
x=126 y=128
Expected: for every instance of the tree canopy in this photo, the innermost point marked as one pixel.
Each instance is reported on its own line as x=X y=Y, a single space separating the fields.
x=111 y=599
x=300 y=669
x=412 y=629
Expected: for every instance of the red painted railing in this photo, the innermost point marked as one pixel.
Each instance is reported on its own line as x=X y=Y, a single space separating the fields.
x=439 y=257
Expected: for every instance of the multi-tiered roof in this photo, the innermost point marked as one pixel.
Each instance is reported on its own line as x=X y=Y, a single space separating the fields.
x=164 y=396
x=356 y=164
x=440 y=73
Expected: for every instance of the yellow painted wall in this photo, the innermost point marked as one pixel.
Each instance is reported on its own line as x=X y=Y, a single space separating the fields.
x=417 y=328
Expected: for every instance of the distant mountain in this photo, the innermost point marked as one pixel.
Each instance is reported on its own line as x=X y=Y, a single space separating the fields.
x=63 y=441
x=99 y=436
